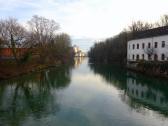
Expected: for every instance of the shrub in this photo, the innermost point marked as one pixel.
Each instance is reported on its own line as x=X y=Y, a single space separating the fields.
x=26 y=57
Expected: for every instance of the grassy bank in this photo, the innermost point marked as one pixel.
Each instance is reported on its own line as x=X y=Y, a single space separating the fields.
x=10 y=69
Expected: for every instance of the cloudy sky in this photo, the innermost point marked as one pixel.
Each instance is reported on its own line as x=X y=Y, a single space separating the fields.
x=86 y=20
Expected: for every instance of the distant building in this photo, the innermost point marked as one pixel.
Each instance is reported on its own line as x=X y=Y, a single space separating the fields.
x=78 y=52
x=150 y=45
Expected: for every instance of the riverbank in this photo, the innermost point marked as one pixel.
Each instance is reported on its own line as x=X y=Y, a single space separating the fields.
x=10 y=69
x=151 y=69
x=154 y=69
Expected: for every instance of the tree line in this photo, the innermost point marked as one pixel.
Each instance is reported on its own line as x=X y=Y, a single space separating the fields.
x=114 y=49
x=38 y=37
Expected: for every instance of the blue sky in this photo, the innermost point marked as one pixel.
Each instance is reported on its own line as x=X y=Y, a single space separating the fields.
x=86 y=20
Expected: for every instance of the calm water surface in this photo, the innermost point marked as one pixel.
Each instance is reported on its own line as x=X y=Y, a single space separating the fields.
x=84 y=94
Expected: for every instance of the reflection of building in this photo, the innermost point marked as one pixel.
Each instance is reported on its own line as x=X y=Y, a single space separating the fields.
x=149 y=45
x=145 y=94
x=78 y=52
x=78 y=61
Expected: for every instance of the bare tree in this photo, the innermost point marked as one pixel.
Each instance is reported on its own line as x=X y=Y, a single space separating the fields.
x=60 y=46
x=150 y=52
x=1 y=45
x=12 y=34
x=163 y=21
x=139 y=26
x=42 y=30
x=63 y=39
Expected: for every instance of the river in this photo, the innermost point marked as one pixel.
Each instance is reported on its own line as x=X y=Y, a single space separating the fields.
x=84 y=94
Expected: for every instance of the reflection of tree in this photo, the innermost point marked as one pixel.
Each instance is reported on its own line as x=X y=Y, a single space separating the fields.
x=31 y=95
x=56 y=79
x=139 y=91
x=112 y=74
x=145 y=92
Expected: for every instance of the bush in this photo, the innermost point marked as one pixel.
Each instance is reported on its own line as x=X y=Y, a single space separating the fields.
x=26 y=57
x=153 y=66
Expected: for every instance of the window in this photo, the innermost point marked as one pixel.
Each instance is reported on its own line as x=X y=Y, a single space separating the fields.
x=163 y=57
x=133 y=57
x=143 y=45
x=133 y=46
x=137 y=57
x=155 y=57
x=149 y=45
x=137 y=46
x=156 y=44
x=163 y=44
x=143 y=56
x=149 y=57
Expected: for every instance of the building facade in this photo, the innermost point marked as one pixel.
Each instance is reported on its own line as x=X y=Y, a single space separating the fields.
x=150 y=45
x=78 y=52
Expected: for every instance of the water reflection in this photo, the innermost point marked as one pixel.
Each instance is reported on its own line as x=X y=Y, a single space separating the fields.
x=138 y=92
x=150 y=93
x=32 y=95
x=78 y=61
x=80 y=97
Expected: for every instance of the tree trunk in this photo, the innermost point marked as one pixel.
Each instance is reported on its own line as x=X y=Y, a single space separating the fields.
x=14 y=50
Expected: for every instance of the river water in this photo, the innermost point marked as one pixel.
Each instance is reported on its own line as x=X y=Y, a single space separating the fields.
x=84 y=94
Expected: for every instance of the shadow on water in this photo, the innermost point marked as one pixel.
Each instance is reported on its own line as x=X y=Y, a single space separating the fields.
x=139 y=92
x=32 y=95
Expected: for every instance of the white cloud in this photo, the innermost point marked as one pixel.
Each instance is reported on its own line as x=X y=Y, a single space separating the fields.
x=95 y=19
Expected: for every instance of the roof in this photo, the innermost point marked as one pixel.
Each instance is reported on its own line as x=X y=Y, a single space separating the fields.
x=151 y=33
x=7 y=52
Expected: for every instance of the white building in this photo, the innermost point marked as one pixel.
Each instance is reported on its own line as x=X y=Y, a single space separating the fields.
x=78 y=52
x=149 y=45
